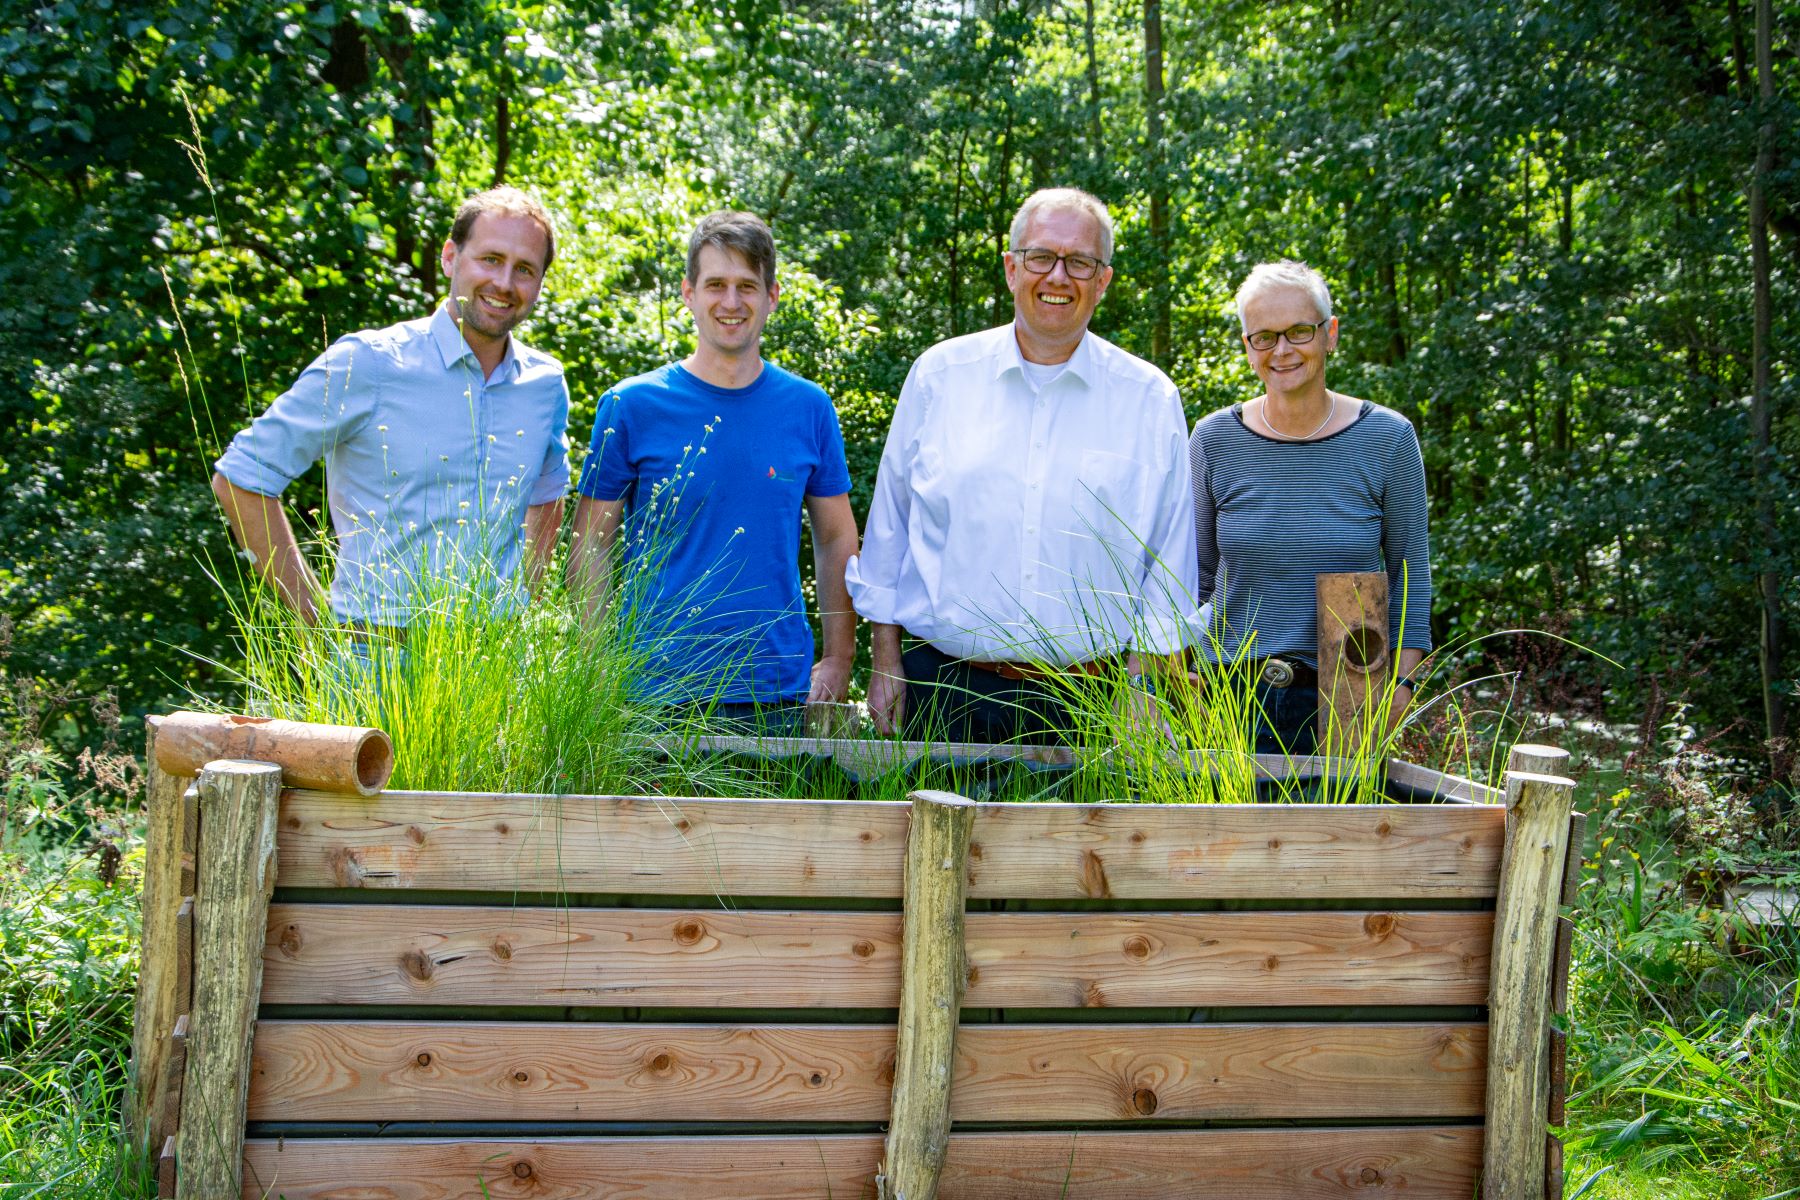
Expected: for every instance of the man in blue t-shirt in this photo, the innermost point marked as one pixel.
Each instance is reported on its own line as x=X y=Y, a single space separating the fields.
x=704 y=465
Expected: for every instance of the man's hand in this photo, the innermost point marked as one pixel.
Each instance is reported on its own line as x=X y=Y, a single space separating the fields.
x=887 y=680
x=261 y=527
x=830 y=680
x=887 y=701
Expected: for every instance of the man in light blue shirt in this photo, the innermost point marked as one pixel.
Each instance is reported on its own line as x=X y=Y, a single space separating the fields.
x=444 y=440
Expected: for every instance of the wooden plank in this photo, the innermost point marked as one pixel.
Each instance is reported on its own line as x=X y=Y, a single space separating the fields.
x=184 y=956
x=933 y=975
x=652 y=845
x=237 y=846
x=1429 y=1163
x=1442 y=783
x=1353 y=653
x=1518 y=1087
x=543 y=1071
x=158 y=1000
x=392 y=954
x=165 y=1170
x=169 y=1112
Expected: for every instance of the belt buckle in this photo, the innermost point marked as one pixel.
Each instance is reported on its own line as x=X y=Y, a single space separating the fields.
x=1277 y=673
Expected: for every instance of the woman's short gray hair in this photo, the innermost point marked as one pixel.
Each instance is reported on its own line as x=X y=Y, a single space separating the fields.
x=1064 y=198
x=1288 y=273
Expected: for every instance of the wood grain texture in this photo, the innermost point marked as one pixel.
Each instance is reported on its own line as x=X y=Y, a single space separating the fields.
x=933 y=974
x=237 y=850
x=1430 y=1163
x=1355 y=660
x=354 y=954
x=541 y=1071
x=338 y=758
x=1518 y=1086
x=158 y=1000
x=853 y=848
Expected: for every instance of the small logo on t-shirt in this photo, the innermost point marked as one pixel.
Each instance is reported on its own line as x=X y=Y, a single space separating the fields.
x=778 y=477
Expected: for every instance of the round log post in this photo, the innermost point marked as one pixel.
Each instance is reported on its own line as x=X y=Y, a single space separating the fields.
x=1355 y=659
x=1538 y=806
x=933 y=974
x=159 y=988
x=238 y=807
x=330 y=758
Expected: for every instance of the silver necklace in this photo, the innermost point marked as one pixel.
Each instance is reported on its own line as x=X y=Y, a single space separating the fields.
x=1330 y=411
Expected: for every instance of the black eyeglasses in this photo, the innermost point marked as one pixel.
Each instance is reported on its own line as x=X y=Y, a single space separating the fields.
x=1264 y=339
x=1042 y=262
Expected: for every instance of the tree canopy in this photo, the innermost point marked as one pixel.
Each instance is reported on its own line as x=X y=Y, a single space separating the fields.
x=1536 y=217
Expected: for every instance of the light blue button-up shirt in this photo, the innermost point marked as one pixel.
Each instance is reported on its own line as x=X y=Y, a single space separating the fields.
x=429 y=468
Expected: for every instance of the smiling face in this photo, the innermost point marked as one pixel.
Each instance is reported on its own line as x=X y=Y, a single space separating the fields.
x=495 y=276
x=1289 y=371
x=1052 y=311
x=730 y=303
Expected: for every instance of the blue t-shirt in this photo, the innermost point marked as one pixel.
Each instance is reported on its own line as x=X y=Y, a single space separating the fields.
x=713 y=481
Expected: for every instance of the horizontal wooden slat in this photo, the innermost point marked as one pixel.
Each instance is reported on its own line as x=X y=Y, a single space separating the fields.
x=472 y=841
x=514 y=1071
x=1431 y=1163
x=467 y=955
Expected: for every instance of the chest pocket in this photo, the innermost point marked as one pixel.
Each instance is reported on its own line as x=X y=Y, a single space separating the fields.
x=1111 y=495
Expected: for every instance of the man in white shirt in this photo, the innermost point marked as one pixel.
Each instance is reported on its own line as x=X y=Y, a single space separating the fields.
x=1032 y=512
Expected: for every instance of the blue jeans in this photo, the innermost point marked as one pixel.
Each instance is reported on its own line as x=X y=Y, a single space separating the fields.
x=1289 y=721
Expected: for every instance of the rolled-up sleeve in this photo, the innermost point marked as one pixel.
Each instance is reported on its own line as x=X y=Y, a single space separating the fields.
x=1406 y=538
x=330 y=401
x=1167 y=597
x=873 y=576
x=553 y=477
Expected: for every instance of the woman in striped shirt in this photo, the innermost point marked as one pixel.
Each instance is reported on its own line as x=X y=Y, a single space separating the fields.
x=1301 y=480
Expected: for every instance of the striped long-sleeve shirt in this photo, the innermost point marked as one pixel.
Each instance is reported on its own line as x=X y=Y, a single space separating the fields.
x=1271 y=515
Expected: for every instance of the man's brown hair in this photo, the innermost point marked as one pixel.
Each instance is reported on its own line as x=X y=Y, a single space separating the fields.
x=743 y=233
x=508 y=201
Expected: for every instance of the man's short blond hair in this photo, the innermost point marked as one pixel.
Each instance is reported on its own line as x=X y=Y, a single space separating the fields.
x=508 y=201
x=1069 y=198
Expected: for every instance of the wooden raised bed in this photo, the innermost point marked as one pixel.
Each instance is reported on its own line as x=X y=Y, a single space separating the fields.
x=418 y=996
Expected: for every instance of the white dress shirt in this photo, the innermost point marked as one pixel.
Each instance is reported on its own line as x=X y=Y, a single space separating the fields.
x=1013 y=523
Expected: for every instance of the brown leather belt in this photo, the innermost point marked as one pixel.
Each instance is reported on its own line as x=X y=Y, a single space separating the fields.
x=1032 y=673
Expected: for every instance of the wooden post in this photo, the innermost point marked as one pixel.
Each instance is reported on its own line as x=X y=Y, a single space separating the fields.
x=1538 y=807
x=933 y=973
x=238 y=805
x=1355 y=659
x=159 y=983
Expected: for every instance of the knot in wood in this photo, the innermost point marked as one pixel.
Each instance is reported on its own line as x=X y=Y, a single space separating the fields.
x=683 y=825
x=1383 y=829
x=1137 y=946
x=1274 y=843
x=417 y=964
x=415 y=835
x=424 y=1058
x=816 y=1079
x=863 y=949
x=661 y=1064
x=503 y=829
x=521 y=1076
x=1371 y=1175
x=522 y=1170
x=1378 y=925
x=689 y=931
x=1143 y=1100
x=1271 y=962
x=503 y=951
x=290 y=940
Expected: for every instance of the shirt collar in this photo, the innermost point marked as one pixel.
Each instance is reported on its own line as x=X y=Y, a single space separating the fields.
x=450 y=343
x=1080 y=364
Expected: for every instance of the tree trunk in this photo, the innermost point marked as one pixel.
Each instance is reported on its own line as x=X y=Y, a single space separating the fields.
x=1762 y=399
x=1002 y=218
x=502 y=138
x=962 y=147
x=1159 y=185
x=1096 y=133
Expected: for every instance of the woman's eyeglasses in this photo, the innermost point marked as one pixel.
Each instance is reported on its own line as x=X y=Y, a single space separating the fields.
x=1264 y=339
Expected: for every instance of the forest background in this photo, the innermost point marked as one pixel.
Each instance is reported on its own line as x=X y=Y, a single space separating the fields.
x=1539 y=219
